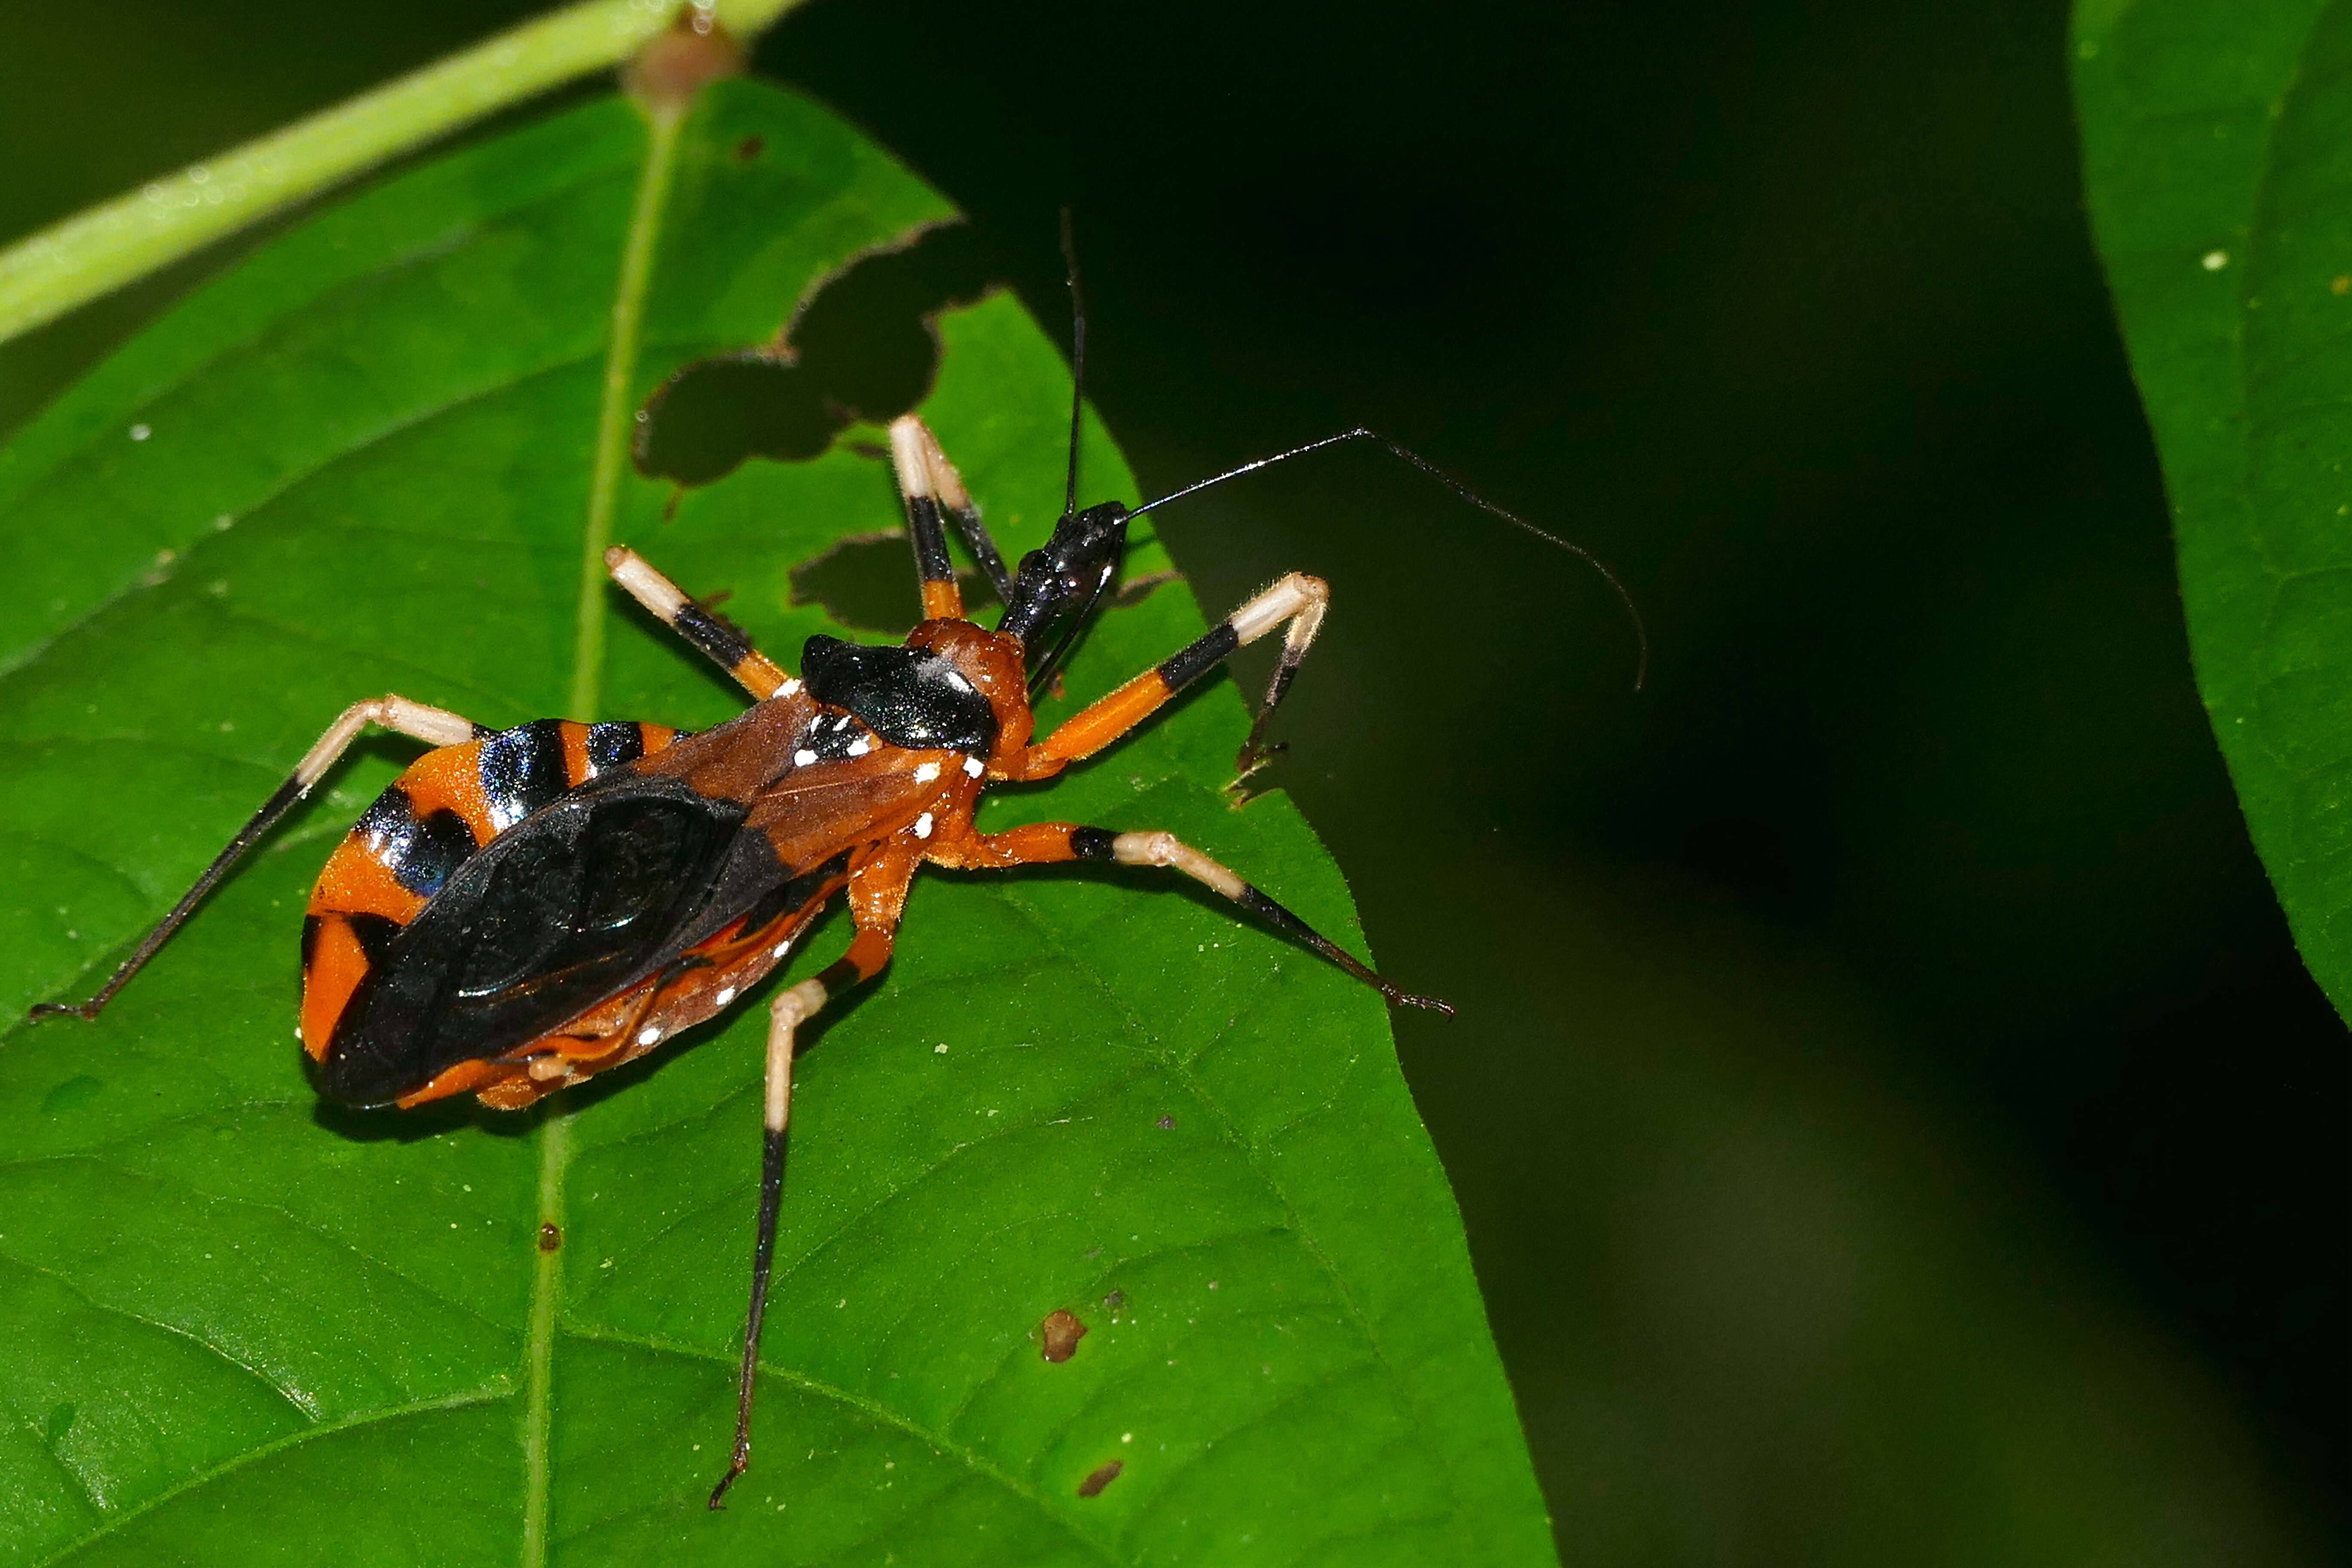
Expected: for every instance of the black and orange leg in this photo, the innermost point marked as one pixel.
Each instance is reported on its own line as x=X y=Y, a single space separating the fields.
x=1046 y=843
x=877 y=892
x=935 y=496
x=1296 y=602
x=714 y=637
x=435 y=726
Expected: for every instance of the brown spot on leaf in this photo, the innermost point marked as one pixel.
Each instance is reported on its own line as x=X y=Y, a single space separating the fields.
x=1167 y=1124
x=1102 y=1477
x=550 y=1238
x=677 y=64
x=749 y=148
x=1060 y=1334
x=1115 y=1300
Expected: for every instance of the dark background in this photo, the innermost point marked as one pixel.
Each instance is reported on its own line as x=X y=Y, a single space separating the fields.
x=1879 y=1047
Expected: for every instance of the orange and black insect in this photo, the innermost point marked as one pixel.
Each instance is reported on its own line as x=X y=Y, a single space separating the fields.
x=525 y=907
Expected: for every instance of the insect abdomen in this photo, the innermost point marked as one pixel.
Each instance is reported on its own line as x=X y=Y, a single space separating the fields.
x=433 y=818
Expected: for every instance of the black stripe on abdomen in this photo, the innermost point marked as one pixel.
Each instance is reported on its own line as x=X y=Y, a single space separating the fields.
x=522 y=769
x=611 y=745
x=420 y=854
x=374 y=934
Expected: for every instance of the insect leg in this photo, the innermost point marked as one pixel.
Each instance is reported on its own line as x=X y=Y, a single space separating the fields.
x=877 y=892
x=713 y=636
x=432 y=725
x=1045 y=843
x=931 y=486
x=1296 y=601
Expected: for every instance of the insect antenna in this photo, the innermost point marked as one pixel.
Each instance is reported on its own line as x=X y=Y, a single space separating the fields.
x=1077 y=362
x=1616 y=585
x=1074 y=621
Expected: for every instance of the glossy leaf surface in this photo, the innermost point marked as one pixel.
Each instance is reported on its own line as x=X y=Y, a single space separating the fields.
x=246 y=1328
x=2217 y=163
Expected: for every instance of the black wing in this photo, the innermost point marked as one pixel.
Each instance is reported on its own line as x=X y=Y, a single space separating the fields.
x=574 y=905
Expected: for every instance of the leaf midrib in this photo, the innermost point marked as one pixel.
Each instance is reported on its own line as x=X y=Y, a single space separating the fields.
x=663 y=124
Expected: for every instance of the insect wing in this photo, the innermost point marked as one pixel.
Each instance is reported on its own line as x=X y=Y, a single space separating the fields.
x=575 y=904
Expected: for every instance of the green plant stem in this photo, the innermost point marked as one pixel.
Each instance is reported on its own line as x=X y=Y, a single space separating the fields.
x=105 y=246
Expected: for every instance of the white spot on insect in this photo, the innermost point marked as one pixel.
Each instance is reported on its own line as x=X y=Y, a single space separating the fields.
x=791 y=688
x=802 y=759
x=647 y=1036
x=858 y=748
x=725 y=996
x=974 y=767
x=783 y=948
x=958 y=681
x=927 y=773
x=141 y=432
x=923 y=826
x=2214 y=260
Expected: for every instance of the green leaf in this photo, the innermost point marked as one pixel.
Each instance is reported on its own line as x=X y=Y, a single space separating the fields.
x=2218 y=162
x=380 y=455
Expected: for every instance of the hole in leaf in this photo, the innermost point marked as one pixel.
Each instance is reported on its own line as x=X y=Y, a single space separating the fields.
x=861 y=345
x=866 y=583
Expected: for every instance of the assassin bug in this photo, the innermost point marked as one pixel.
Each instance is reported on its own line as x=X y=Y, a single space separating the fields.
x=525 y=907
